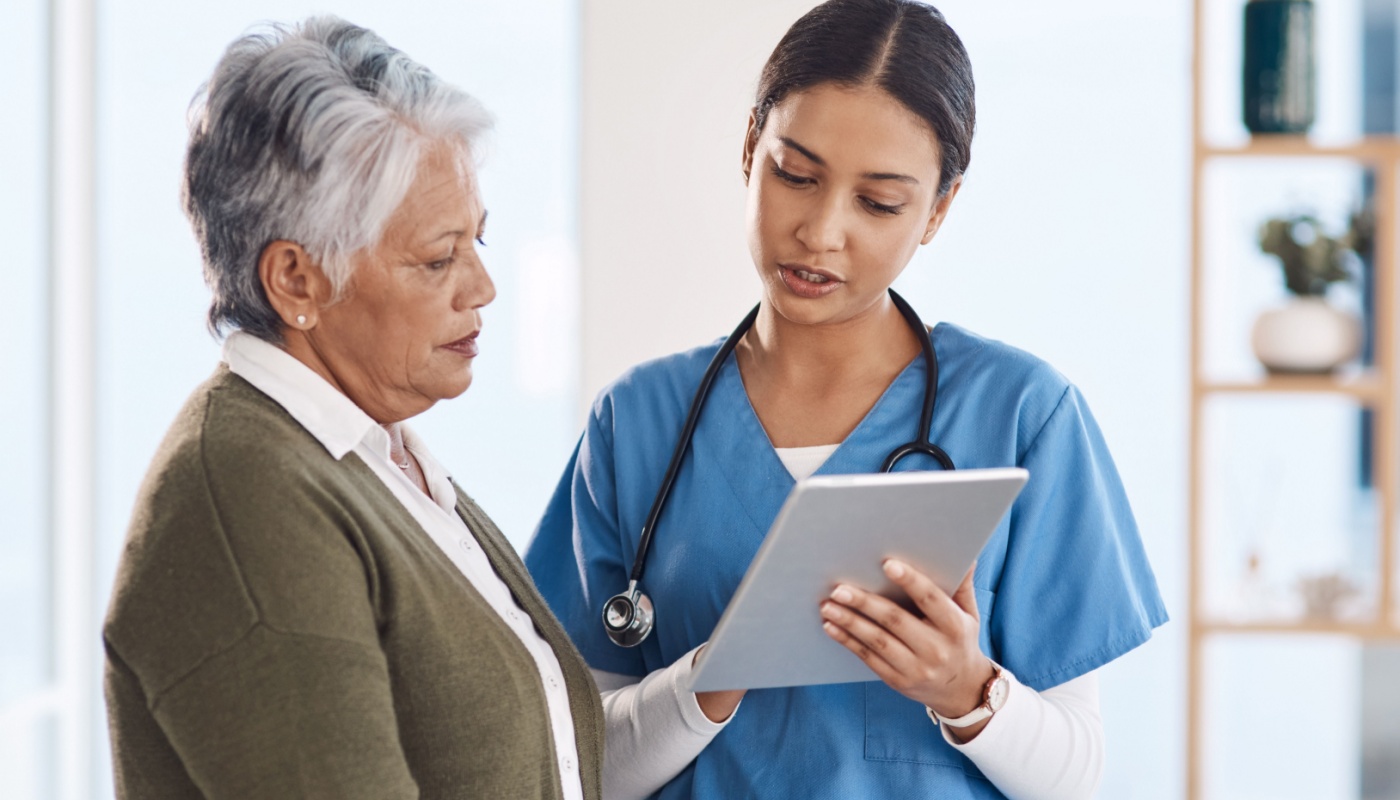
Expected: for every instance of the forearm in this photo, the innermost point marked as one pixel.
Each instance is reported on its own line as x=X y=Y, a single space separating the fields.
x=1043 y=745
x=655 y=728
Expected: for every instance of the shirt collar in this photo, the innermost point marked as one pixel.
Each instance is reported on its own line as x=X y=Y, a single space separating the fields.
x=327 y=414
x=439 y=480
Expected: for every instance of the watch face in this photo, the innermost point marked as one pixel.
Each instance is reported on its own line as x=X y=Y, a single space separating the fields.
x=996 y=695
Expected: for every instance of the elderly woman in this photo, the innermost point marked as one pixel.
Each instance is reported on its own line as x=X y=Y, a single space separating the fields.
x=307 y=605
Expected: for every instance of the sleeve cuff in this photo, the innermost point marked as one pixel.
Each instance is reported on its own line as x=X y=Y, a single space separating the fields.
x=687 y=701
x=1000 y=722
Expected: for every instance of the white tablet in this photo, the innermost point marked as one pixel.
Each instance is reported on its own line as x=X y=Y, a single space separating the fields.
x=841 y=528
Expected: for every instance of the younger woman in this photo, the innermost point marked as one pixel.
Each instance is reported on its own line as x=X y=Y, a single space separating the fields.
x=856 y=148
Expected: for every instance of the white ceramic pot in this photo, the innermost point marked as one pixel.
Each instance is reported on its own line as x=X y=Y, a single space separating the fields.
x=1308 y=335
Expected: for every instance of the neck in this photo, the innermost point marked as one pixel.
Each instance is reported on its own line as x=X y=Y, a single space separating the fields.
x=303 y=347
x=397 y=450
x=876 y=341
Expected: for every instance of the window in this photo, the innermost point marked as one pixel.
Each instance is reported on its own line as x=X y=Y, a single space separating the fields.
x=27 y=689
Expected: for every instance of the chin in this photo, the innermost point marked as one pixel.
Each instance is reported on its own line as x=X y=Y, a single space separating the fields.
x=451 y=387
x=803 y=311
x=459 y=388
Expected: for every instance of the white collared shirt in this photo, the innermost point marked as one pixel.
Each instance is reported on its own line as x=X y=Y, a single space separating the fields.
x=341 y=427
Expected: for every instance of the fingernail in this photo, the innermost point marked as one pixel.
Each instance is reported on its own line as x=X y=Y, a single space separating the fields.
x=894 y=568
x=829 y=628
x=842 y=595
x=830 y=610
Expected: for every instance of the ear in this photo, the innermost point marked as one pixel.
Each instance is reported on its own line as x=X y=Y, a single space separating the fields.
x=750 y=141
x=294 y=283
x=940 y=210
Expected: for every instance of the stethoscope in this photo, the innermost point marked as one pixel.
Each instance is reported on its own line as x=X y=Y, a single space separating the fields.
x=629 y=617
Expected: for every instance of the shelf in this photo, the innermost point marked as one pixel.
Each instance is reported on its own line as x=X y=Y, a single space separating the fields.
x=1369 y=630
x=1376 y=148
x=1250 y=396
x=1363 y=386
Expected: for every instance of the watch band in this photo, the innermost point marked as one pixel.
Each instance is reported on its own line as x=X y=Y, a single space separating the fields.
x=972 y=717
x=993 y=698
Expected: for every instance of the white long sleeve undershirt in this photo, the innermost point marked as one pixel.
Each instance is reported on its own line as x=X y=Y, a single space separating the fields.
x=654 y=728
x=1040 y=746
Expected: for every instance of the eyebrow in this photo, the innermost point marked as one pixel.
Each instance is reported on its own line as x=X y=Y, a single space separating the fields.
x=874 y=176
x=813 y=157
x=456 y=234
x=445 y=235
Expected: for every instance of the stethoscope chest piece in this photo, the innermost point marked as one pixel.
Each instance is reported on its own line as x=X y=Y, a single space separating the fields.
x=628 y=617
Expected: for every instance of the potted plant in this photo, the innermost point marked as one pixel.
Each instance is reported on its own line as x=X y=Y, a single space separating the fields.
x=1308 y=335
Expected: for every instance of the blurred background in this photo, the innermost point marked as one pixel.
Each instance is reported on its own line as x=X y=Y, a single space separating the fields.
x=1110 y=223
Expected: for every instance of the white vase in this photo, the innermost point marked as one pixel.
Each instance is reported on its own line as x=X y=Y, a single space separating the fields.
x=1308 y=335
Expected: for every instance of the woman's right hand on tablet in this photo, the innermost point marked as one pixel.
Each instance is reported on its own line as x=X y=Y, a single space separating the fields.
x=933 y=659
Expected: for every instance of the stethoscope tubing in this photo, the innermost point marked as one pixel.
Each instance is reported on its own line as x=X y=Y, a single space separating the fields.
x=692 y=418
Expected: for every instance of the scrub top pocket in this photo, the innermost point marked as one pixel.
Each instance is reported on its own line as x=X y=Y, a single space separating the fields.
x=898 y=729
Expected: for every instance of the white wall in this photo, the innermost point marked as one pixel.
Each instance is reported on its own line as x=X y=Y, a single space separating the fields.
x=665 y=94
x=1068 y=240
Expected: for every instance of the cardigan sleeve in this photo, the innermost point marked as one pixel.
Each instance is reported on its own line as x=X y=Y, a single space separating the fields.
x=244 y=620
x=287 y=715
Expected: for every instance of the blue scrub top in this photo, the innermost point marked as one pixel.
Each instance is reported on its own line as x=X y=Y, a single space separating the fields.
x=1063 y=586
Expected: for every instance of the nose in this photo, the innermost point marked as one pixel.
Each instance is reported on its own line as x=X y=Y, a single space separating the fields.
x=822 y=229
x=474 y=287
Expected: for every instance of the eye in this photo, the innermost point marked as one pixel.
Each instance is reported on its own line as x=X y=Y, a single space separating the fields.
x=881 y=208
x=440 y=264
x=481 y=240
x=789 y=178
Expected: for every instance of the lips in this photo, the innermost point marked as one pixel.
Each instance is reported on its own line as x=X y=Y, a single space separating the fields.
x=465 y=346
x=808 y=282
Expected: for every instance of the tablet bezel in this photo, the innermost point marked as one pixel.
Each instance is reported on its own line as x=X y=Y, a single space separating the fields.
x=770 y=633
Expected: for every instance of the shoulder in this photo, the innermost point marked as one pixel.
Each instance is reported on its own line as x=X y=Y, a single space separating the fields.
x=999 y=379
x=242 y=427
x=662 y=385
x=229 y=436
x=237 y=492
x=961 y=349
x=231 y=453
x=234 y=456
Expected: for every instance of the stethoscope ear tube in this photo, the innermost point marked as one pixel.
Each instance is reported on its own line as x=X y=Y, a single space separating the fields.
x=922 y=444
x=629 y=617
x=692 y=418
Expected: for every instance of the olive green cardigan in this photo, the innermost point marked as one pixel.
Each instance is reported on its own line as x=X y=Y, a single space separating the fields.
x=281 y=627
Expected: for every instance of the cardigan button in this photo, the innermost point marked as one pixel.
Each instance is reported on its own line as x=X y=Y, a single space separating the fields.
x=568 y=765
x=466 y=545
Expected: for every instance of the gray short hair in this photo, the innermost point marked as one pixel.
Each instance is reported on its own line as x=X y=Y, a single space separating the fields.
x=310 y=133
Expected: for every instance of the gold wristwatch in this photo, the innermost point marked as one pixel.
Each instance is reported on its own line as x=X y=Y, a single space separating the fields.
x=993 y=698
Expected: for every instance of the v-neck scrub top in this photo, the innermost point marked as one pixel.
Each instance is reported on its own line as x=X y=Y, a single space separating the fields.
x=1063 y=586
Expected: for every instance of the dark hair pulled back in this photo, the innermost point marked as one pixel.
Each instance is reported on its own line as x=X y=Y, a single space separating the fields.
x=902 y=46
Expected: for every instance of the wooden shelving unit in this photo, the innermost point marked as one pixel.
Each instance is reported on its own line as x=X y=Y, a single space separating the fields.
x=1374 y=388
x=1374 y=148
x=1366 y=387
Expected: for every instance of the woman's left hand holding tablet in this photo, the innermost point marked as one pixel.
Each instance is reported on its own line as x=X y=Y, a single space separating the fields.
x=934 y=660
x=717 y=706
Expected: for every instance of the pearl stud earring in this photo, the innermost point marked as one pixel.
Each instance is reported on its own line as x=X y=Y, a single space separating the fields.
x=301 y=319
